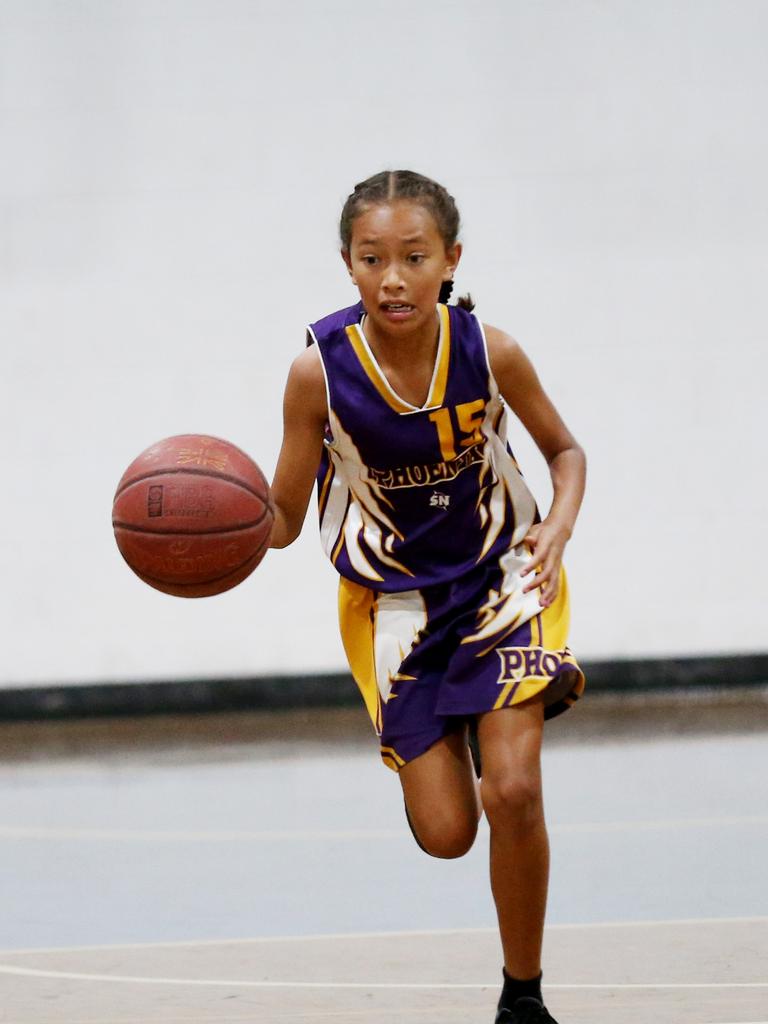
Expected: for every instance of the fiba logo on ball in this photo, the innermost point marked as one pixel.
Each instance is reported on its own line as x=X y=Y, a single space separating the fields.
x=155 y=500
x=190 y=499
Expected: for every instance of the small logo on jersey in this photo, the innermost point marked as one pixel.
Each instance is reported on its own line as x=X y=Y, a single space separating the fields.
x=439 y=500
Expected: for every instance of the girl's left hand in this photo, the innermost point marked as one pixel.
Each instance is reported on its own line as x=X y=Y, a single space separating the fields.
x=548 y=541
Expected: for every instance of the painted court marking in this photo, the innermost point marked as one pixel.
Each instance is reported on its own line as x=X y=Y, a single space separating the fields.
x=390 y=985
x=409 y=933
x=318 y=835
x=187 y=836
x=12 y=969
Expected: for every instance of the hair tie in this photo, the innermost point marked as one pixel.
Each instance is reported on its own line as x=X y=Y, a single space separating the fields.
x=445 y=291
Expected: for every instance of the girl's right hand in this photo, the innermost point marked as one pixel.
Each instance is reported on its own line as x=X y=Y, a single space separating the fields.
x=547 y=540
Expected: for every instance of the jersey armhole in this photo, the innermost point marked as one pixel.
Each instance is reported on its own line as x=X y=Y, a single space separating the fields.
x=493 y=386
x=312 y=340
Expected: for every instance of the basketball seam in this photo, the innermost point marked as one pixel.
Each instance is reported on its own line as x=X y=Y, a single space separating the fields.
x=116 y=524
x=205 y=583
x=197 y=472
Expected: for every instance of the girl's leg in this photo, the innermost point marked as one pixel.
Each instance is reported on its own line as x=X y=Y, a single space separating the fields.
x=510 y=743
x=442 y=797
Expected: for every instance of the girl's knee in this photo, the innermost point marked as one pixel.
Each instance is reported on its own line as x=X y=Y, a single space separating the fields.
x=513 y=800
x=446 y=838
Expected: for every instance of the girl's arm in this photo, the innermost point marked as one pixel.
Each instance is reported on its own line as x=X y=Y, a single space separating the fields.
x=305 y=412
x=521 y=389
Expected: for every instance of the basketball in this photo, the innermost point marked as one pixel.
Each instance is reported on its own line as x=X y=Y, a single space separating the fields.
x=192 y=515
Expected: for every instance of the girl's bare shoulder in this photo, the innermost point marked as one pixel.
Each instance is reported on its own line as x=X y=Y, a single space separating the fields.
x=502 y=346
x=504 y=353
x=307 y=366
x=306 y=382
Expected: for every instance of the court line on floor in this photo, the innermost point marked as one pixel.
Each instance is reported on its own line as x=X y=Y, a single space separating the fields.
x=369 y=1013
x=305 y=1017
x=43 y=832
x=182 y=835
x=386 y=935
x=36 y=972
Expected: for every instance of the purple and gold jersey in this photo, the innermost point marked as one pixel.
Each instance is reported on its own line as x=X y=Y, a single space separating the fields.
x=412 y=497
x=424 y=513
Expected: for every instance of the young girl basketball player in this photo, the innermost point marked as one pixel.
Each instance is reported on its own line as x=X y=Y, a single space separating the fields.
x=453 y=600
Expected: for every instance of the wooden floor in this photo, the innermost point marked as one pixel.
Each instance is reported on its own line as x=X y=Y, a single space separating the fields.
x=258 y=868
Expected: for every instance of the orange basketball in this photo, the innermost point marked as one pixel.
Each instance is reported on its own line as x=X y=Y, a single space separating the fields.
x=192 y=515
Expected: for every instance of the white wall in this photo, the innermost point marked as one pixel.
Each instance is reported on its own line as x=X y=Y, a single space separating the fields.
x=171 y=177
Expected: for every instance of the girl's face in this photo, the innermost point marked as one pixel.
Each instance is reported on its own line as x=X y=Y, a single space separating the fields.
x=398 y=260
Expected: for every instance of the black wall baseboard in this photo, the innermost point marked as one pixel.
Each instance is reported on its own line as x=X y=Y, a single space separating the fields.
x=74 y=700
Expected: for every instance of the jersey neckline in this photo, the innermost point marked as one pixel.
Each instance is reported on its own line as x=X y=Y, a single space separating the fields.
x=438 y=383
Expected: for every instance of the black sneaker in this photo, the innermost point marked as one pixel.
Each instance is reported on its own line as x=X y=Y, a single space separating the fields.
x=525 y=1011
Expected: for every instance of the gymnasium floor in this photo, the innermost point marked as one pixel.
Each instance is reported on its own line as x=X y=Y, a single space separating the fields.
x=257 y=867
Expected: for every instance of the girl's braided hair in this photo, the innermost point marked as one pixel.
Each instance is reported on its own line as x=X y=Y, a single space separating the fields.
x=390 y=185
